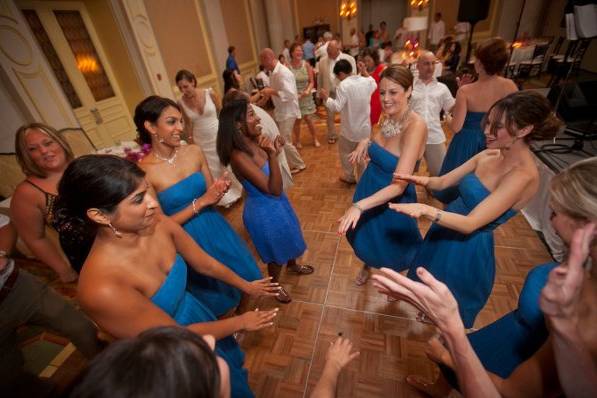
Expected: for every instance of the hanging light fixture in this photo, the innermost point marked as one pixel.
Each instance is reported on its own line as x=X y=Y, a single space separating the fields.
x=420 y=4
x=348 y=9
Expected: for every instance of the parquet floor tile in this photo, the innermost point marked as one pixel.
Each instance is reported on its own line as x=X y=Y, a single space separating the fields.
x=287 y=360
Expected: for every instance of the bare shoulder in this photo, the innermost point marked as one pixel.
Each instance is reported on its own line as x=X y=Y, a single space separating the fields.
x=508 y=85
x=102 y=282
x=191 y=150
x=417 y=125
x=26 y=193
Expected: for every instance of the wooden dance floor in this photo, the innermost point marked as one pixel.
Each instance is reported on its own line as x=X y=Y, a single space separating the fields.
x=287 y=359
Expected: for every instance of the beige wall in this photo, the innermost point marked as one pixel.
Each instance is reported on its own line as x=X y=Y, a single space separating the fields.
x=116 y=52
x=181 y=40
x=308 y=11
x=236 y=21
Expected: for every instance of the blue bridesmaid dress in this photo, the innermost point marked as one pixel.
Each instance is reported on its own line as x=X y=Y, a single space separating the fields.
x=272 y=224
x=468 y=142
x=383 y=237
x=215 y=236
x=512 y=339
x=465 y=263
x=185 y=309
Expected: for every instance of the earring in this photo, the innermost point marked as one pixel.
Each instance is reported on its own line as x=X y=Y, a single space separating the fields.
x=116 y=232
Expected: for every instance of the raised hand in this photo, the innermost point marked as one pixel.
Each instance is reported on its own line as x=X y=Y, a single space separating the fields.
x=414 y=210
x=418 y=180
x=256 y=320
x=323 y=94
x=214 y=193
x=432 y=297
x=561 y=294
x=279 y=143
x=349 y=220
x=266 y=144
x=263 y=287
x=362 y=68
x=466 y=78
x=340 y=353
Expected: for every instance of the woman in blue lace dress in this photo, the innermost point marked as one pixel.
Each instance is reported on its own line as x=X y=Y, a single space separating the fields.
x=268 y=215
x=492 y=186
x=187 y=193
x=135 y=276
x=472 y=102
x=379 y=236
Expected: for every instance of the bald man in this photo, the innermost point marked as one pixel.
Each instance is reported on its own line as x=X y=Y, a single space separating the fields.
x=429 y=98
x=282 y=91
x=327 y=80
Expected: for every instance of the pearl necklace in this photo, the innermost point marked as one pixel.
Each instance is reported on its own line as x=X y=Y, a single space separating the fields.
x=171 y=160
x=391 y=128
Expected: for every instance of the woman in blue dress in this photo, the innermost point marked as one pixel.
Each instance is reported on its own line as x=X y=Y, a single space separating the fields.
x=458 y=248
x=267 y=215
x=187 y=193
x=515 y=349
x=472 y=102
x=134 y=277
x=379 y=236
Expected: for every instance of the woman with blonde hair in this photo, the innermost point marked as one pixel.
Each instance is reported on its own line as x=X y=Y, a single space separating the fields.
x=43 y=156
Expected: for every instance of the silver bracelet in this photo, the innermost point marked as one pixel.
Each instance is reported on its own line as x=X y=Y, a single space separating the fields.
x=356 y=206
x=194 y=202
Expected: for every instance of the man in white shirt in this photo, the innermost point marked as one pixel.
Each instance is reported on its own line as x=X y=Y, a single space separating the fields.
x=327 y=80
x=353 y=96
x=354 y=43
x=283 y=93
x=437 y=31
x=321 y=51
x=428 y=98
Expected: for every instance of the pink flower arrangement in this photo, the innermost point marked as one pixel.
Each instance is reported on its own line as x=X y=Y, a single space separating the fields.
x=135 y=155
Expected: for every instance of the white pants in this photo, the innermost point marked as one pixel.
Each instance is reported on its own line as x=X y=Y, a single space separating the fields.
x=292 y=156
x=434 y=156
x=351 y=172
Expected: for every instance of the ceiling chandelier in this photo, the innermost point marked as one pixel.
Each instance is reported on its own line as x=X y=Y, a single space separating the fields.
x=348 y=9
x=419 y=3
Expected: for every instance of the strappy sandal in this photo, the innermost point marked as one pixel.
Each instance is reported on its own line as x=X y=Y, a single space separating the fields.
x=283 y=296
x=302 y=269
x=331 y=140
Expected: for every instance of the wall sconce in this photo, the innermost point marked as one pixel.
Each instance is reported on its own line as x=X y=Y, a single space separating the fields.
x=420 y=4
x=348 y=9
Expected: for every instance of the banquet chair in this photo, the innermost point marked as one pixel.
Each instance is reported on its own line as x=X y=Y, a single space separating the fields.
x=78 y=140
x=10 y=174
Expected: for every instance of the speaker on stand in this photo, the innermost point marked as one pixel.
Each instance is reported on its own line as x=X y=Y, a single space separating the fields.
x=472 y=11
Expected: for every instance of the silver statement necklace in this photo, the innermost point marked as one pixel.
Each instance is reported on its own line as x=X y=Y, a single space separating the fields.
x=391 y=128
x=171 y=160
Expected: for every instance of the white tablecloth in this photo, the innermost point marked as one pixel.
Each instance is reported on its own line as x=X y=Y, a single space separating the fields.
x=538 y=213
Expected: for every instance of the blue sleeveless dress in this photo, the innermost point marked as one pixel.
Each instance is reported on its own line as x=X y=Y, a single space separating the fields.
x=465 y=263
x=383 y=237
x=185 y=309
x=213 y=233
x=468 y=142
x=506 y=343
x=272 y=224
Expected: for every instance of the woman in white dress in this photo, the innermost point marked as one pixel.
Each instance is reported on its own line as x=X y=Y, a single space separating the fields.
x=200 y=111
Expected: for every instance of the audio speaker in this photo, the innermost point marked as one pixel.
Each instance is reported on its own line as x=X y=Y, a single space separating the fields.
x=473 y=11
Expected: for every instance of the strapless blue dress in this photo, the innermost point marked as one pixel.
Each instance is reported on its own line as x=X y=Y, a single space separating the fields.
x=465 y=263
x=272 y=224
x=213 y=234
x=173 y=298
x=383 y=237
x=468 y=142
x=506 y=343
